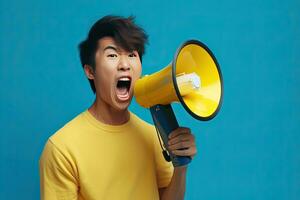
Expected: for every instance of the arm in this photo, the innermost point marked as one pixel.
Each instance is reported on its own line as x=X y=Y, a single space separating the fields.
x=176 y=188
x=57 y=177
x=181 y=143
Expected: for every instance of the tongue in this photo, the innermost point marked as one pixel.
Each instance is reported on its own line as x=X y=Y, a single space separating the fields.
x=122 y=91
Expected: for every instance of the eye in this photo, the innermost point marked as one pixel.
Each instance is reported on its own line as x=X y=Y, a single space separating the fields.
x=112 y=55
x=132 y=55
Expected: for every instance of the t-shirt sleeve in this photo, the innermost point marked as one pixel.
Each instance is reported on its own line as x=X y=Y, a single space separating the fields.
x=164 y=169
x=57 y=178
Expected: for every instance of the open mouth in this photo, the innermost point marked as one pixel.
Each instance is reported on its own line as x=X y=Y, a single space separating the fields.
x=123 y=87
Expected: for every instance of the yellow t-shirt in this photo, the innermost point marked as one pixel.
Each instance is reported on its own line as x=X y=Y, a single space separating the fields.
x=89 y=160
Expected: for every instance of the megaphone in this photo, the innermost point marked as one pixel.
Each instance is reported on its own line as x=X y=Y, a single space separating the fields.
x=194 y=79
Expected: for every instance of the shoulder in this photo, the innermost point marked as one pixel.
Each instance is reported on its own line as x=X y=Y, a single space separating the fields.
x=70 y=132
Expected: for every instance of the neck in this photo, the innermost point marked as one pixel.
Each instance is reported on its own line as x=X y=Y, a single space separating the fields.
x=108 y=115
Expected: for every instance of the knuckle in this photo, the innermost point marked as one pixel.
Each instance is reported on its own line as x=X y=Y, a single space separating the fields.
x=193 y=139
x=188 y=130
x=180 y=137
x=185 y=129
x=186 y=144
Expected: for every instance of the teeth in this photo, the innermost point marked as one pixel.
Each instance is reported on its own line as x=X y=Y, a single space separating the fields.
x=124 y=79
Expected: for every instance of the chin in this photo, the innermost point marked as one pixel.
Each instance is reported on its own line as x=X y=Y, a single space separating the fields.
x=122 y=106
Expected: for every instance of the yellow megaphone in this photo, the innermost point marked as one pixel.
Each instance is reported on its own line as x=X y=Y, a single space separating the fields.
x=194 y=79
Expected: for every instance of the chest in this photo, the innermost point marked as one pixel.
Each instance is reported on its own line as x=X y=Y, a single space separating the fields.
x=105 y=159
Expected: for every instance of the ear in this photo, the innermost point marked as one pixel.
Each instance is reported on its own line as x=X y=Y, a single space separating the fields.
x=89 y=71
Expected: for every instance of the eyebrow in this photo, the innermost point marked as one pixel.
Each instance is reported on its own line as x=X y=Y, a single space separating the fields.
x=111 y=47
x=114 y=48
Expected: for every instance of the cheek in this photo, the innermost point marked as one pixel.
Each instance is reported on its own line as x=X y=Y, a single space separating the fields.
x=137 y=69
x=107 y=66
x=104 y=75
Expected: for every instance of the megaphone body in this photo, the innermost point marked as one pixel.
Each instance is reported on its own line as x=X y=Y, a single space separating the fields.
x=194 y=79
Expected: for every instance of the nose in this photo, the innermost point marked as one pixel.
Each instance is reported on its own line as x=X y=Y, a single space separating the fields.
x=124 y=64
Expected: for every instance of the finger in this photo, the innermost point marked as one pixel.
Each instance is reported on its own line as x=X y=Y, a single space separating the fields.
x=179 y=138
x=185 y=152
x=180 y=145
x=179 y=131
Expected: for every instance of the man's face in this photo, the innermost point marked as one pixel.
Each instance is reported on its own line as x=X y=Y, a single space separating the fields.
x=116 y=71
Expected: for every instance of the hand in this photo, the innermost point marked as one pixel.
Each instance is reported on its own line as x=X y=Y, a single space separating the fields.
x=182 y=142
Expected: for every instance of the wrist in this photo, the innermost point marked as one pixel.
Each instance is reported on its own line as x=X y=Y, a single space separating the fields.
x=180 y=169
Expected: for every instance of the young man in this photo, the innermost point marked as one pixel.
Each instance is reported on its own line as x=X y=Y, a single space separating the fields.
x=107 y=152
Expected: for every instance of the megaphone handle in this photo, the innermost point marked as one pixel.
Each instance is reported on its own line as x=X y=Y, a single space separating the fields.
x=165 y=122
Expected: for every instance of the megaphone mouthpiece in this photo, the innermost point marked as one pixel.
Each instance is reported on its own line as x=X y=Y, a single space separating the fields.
x=188 y=83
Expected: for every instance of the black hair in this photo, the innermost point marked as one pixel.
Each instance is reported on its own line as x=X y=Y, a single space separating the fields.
x=124 y=31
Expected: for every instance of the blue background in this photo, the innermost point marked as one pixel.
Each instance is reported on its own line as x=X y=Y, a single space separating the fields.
x=249 y=151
